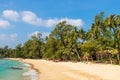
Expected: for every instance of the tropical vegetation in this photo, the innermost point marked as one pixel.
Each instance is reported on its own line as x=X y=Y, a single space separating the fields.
x=101 y=43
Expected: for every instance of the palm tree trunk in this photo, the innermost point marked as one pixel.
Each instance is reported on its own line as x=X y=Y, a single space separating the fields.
x=78 y=54
x=118 y=58
x=110 y=58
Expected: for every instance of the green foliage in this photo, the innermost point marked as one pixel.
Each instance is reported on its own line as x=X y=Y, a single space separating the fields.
x=62 y=42
x=33 y=47
x=66 y=42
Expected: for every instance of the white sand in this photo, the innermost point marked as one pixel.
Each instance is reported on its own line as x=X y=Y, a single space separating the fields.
x=74 y=71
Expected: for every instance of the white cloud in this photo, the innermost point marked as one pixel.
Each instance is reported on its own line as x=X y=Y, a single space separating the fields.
x=33 y=34
x=4 y=24
x=51 y=22
x=44 y=34
x=74 y=22
x=13 y=36
x=11 y=15
x=32 y=18
x=8 y=38
x=2 y=36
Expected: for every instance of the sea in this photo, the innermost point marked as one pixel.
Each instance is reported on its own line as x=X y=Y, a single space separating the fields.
x=16 y=70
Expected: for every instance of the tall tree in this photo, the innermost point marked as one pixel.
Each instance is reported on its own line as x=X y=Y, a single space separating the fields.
x=33 y=47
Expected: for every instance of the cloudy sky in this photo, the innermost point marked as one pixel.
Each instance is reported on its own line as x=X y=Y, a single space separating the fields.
x=21 y=18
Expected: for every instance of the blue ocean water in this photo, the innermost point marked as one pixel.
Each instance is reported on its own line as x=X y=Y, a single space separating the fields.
x=7 y=73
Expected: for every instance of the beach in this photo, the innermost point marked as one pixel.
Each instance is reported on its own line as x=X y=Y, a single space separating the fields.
x=49 y=70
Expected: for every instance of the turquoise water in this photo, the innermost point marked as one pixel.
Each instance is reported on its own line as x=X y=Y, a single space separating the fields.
x=6 y=73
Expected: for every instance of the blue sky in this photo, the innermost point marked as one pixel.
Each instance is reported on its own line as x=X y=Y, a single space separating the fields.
x=21 y=18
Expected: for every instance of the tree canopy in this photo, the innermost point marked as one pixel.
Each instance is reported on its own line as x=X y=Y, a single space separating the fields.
x=100 y=43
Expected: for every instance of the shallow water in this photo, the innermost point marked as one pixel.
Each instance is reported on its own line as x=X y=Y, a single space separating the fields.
x=6 y=73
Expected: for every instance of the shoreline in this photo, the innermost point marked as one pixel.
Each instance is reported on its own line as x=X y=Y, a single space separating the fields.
x=31 y=73
x=65 y=74
x=28 y=75
x=49 y=70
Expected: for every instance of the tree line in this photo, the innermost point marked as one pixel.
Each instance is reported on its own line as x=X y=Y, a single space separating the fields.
x=101 y=43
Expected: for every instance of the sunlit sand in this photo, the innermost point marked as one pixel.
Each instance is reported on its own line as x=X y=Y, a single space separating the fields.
x=49 y=70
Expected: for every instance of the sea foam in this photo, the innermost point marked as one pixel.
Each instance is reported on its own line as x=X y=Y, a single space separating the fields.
x=32 y=74
x=27 y=65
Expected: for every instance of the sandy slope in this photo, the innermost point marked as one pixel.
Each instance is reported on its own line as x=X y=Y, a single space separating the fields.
x=74 y=71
